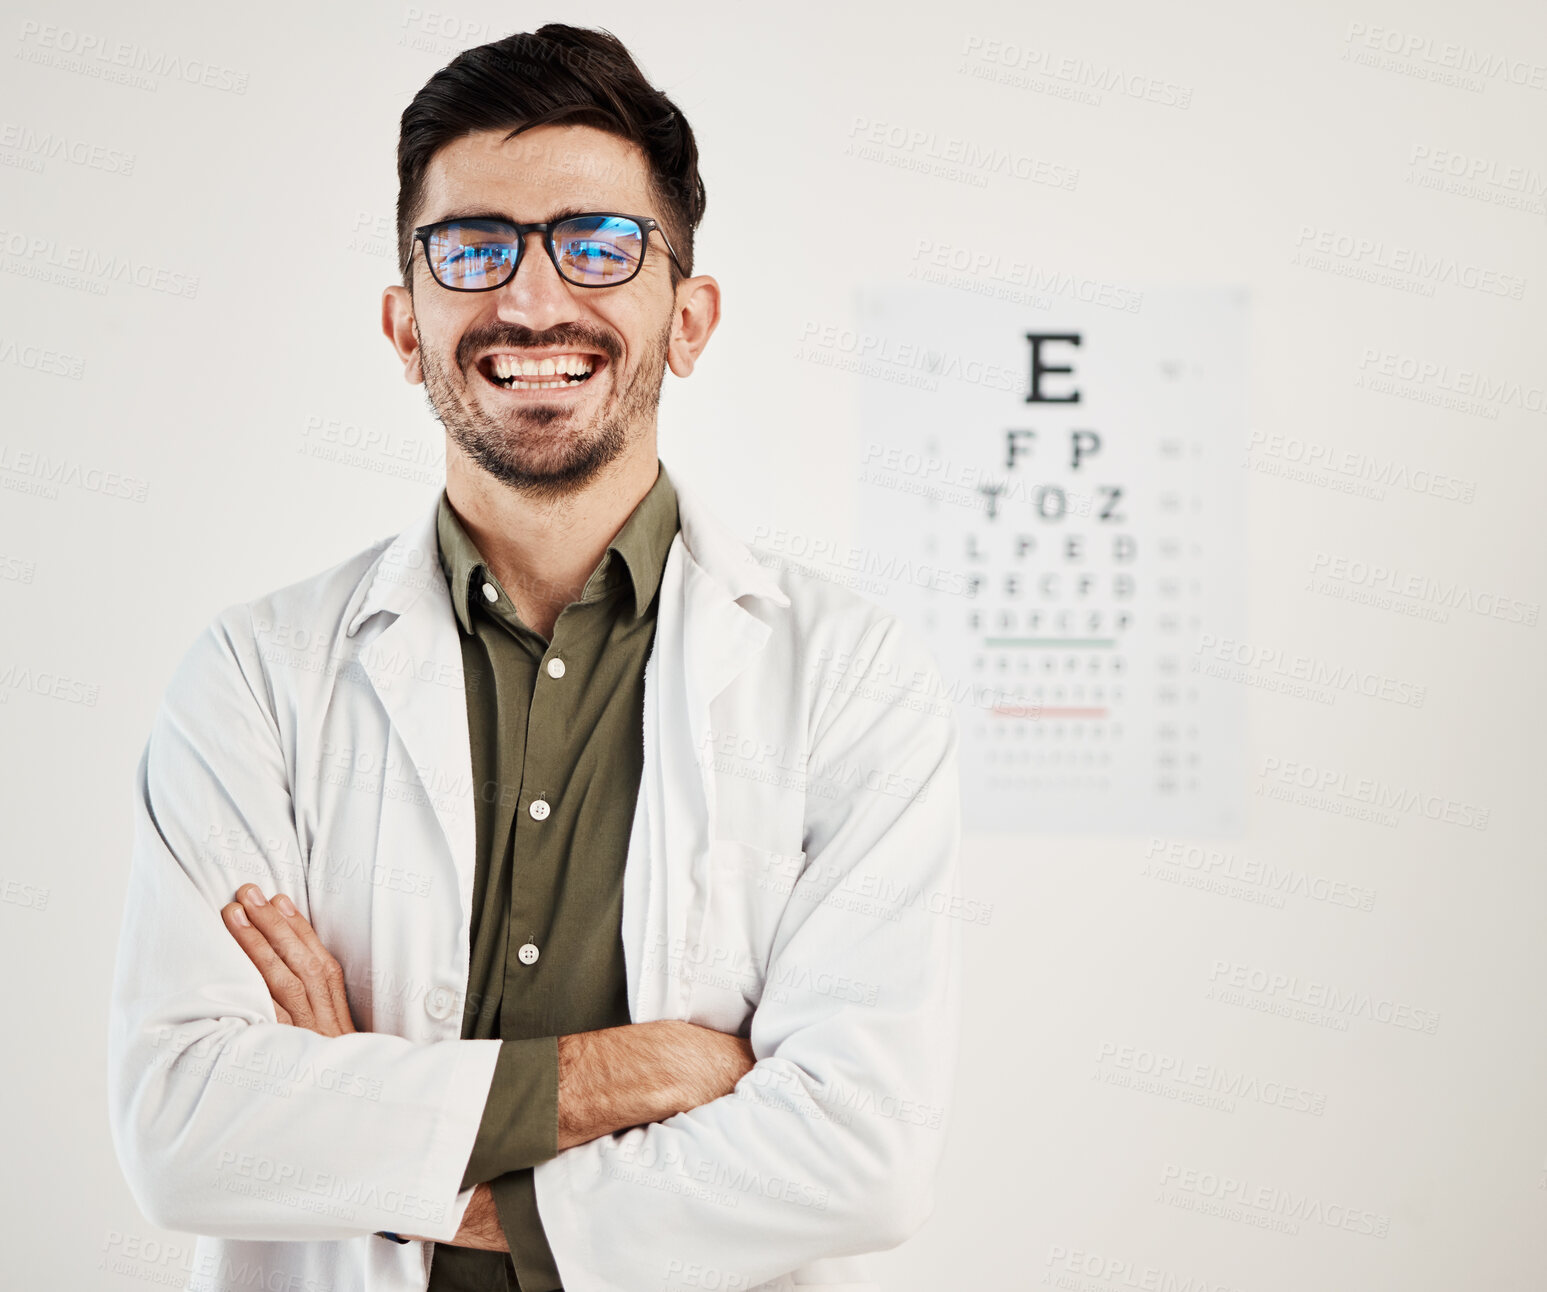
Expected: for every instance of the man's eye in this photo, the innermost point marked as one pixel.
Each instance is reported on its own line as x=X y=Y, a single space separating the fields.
x=478 y=255
x=593 y=251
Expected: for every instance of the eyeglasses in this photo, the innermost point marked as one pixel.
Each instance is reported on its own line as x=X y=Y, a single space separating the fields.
x=596 y=249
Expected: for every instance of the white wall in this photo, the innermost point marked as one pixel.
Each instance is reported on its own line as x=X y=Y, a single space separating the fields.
x=279 y=200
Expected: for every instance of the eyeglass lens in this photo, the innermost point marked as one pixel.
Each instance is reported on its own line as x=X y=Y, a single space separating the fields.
x=592 y=251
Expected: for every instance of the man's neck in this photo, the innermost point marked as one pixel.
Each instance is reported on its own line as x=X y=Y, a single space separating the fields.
x=541 y=550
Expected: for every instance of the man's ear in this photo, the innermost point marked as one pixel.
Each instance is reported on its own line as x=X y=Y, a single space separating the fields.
x=697 y=314
x=397 y=323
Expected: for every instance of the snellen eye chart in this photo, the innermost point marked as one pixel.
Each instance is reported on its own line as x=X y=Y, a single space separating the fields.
x=1052 y=492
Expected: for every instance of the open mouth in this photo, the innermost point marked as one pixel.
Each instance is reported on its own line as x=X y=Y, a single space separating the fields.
x=549 y=372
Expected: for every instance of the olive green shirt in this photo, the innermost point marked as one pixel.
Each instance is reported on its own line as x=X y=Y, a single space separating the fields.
x=558 y=725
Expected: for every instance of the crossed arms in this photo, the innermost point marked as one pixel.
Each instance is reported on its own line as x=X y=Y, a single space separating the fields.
x=826 y=1147
x=609 y=1079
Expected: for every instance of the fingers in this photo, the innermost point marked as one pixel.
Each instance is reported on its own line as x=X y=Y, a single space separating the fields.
x=286 y=989
x=303 y=978
x=332 y=971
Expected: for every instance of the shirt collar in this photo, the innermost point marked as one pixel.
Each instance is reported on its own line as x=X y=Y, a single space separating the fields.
x=402 y=566
x=641 y=545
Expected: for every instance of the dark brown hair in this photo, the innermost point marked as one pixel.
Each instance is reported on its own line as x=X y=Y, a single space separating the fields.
x=574 y=74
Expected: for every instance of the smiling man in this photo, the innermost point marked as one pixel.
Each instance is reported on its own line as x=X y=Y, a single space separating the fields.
x=554 y=895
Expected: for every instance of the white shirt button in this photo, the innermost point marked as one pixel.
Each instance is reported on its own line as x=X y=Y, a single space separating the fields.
x=440 y=1003
x=538 y=809
x=527 y=954
x=490 y=592
x=555 y=667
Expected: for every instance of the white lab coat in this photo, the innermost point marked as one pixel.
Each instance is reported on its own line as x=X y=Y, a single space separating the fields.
x=789 y=876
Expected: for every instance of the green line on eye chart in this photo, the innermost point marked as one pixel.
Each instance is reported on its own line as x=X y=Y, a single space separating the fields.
x=1097 y=642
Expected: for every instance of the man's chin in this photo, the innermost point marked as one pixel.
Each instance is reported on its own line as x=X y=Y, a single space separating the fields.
x=533 y=458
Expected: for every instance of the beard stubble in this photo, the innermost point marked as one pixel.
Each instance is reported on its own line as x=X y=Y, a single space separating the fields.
x=518 y=449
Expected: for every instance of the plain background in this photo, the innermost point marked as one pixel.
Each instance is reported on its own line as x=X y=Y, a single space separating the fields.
x=279 y=200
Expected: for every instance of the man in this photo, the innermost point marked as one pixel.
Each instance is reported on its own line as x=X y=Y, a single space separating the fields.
x=631 y=858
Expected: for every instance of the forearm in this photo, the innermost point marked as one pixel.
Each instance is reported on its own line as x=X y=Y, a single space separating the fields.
x=552 y=1093
x=639 y=1073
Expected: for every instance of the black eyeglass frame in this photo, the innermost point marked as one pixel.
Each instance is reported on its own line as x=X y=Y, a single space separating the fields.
x=647 y=226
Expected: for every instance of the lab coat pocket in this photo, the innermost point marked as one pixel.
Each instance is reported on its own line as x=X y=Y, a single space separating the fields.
x=749 y=888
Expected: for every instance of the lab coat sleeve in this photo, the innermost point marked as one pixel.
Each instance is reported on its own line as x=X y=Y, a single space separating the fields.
x=830 y=1145
x=226 y=1122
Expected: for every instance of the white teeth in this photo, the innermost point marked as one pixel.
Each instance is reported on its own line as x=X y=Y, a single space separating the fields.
x=505 y=366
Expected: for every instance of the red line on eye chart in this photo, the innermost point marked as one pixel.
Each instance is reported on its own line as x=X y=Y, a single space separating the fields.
x=1042 y=711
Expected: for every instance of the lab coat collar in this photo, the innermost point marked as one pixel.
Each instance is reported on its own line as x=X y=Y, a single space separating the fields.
x=412 y=560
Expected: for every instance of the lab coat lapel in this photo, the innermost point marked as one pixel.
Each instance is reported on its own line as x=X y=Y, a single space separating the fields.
x=415 y=666
x=704 y=639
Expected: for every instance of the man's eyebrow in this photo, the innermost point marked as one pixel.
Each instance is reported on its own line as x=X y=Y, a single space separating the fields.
x=483 y=213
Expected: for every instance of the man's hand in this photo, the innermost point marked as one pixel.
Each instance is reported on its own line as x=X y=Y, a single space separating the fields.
x=304 y=979
x=609 y=1079
x=307 y=985
x=480 y=1225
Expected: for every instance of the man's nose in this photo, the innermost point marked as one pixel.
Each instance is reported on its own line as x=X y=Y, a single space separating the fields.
x=535 y=294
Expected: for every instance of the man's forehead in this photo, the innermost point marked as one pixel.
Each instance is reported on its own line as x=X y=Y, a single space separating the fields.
x=537 y=171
